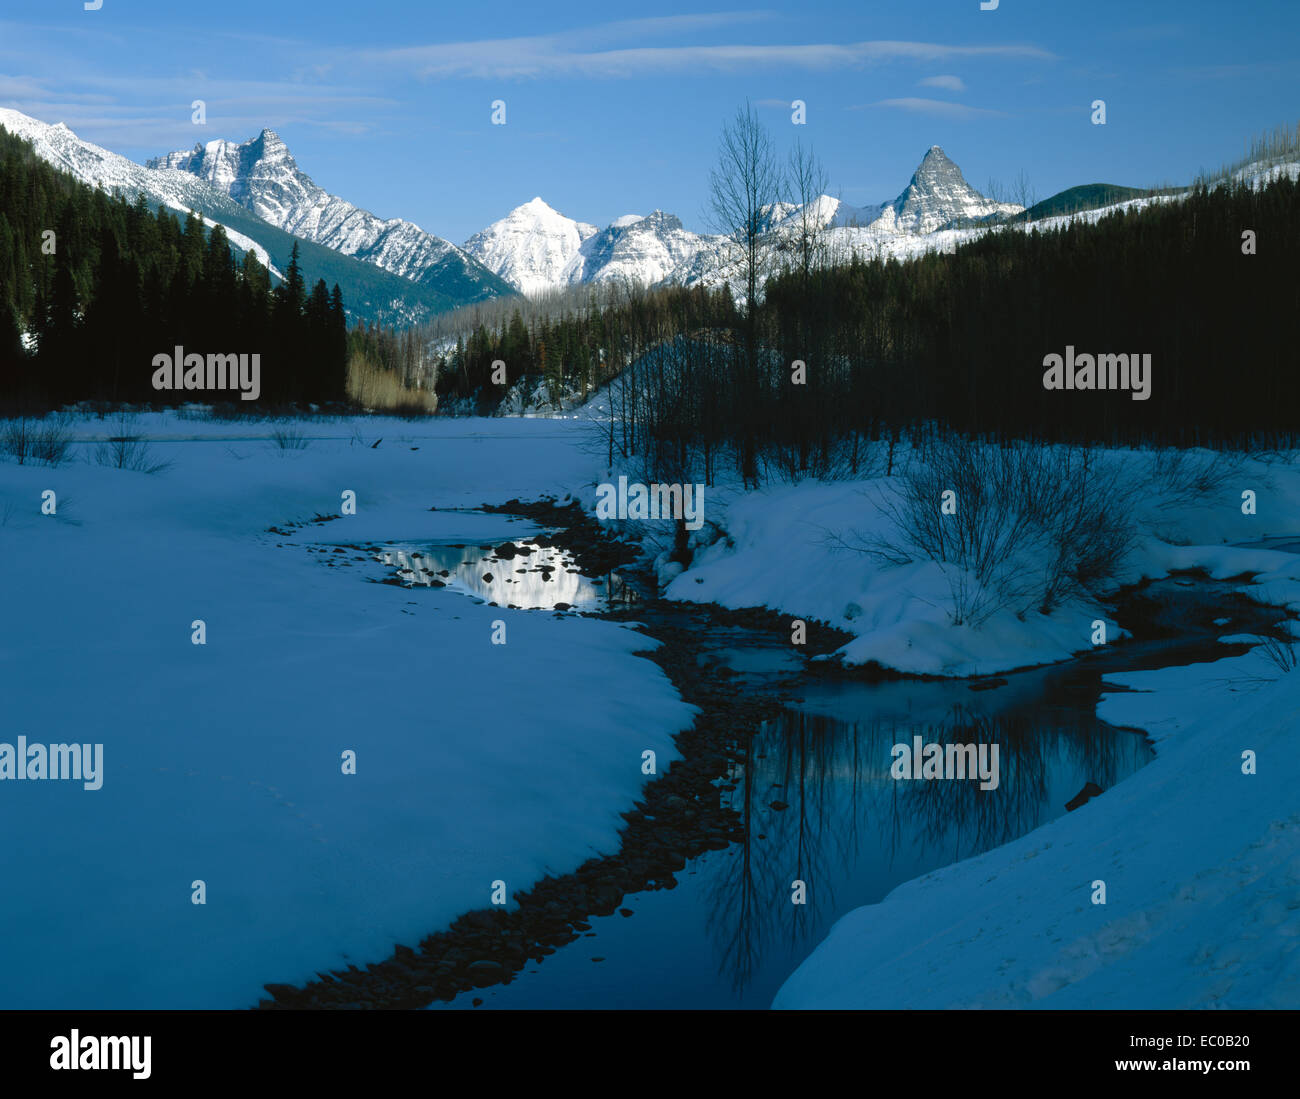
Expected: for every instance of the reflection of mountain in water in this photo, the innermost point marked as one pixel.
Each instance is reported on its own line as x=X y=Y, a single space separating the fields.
x=817 y=803
x=536 y=577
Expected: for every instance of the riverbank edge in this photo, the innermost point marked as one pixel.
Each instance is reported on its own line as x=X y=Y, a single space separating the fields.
x=677 y=817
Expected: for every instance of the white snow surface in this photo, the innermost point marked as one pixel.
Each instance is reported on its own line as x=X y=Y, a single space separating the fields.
x=531 y=247
x=222 y=762
x=1201 y=865
x=1201 y=862
x=782 y=548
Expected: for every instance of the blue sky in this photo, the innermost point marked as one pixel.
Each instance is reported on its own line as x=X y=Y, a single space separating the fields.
x=612 y=109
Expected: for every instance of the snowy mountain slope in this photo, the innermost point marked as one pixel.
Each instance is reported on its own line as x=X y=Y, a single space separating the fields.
x=531 y=247
x=60 y=147
x=648 y=250
x=261 y=175
x=369 y=292
x=880 y=238
x=938 y=196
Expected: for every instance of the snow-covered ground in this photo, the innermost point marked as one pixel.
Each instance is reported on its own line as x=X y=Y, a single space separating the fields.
x=783 y=547
x=1201 y=865
x=477 y=762
x=222 y=762
x=1200 y=860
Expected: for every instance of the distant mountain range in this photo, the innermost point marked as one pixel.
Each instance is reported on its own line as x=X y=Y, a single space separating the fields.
x=391 y=270
x=371 y=291
x=263 y=177
x=536 y=248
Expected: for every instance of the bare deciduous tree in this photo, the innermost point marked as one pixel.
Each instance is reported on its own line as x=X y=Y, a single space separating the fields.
x=1022 y=191
x=744 y=189
x=806 y=183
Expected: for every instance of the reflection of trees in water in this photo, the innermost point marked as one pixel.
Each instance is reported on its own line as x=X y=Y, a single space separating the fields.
x=751 y=893
x=734 y=895
x=980 y=819
x=834 y=778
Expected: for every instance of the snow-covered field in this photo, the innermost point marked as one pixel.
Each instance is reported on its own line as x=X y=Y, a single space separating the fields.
x=222 y=762
x=478 y=762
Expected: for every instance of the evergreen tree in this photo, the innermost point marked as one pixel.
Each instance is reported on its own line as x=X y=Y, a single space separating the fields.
x=123 y=283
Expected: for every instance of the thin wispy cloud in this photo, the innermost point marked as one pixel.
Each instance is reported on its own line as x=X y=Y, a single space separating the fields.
x=624 y=29
x=562 y=55
x=936 y=107
x=947 y=83
x=14 y=87
x=160 y=132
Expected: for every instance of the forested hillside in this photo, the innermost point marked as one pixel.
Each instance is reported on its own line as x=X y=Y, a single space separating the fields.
x=99 y=286
x=961 y=338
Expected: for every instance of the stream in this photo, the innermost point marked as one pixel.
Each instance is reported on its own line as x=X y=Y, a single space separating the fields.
x=812 y=788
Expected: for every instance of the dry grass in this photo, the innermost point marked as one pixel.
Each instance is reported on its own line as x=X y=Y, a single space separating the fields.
x=378 y=390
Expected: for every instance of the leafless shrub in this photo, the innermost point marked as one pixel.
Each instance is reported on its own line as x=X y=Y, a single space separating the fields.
x=1182 y=477
x=129 y=452
x=1030 y=525
x=1280 y=652
x=36 y=442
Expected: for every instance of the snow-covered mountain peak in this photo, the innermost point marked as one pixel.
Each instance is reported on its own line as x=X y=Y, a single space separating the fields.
x=262 y=176
x=532 y=246
x=658 y=221
x=271 y=140
x=938 y=196
x=56 y=144
x=643 y=250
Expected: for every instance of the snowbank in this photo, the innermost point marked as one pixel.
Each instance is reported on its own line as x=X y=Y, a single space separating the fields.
x=785 y=548
x=1201 y=865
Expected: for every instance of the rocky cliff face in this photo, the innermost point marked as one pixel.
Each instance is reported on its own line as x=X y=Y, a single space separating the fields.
x=262 y=176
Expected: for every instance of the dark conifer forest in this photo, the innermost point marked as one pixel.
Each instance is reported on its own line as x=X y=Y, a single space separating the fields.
x=959 y=339
x=101 y=285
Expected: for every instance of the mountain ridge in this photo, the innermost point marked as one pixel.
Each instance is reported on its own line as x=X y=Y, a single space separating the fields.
x=262 y=175
x=370 y=292
x=657 y=248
